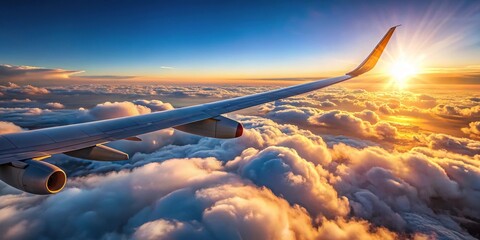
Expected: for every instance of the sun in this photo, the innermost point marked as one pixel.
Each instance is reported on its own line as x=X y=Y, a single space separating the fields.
x=403 y=70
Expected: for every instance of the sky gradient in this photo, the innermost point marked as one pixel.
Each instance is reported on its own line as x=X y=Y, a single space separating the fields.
x=236 y=40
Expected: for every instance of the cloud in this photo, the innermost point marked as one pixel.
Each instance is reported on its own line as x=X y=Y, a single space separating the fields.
x=189 y=204
x=387 y=187
x=109 y=110
x=273 y=174
x=327 y=103
x=154 y=105
x=475 y=99
x=449 y=143
x=55 y=105
x=112 y=77
x=277 y=181
x=455 y=111
x=287 y=174
x=157 y=90
x=12 y=88
x=116 y=109
x=473 y=130
x=355 y=124
x=8 y=127
x=426 y=101
x=166 y=67
x=33 y=117
x=169 y=229
x=55 y=115
x=26 y=100
x=16 y=73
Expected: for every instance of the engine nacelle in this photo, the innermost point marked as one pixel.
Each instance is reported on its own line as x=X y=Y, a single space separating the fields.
x=33 y=176
x=217 y=127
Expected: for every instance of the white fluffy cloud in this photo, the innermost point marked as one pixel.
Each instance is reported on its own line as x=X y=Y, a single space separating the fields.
x=196 y=199
x=26 y=89
x=55 y=105
x=8 y=127
x=154 y=105
x=121 y=109
x=117 y=109
x=355 y=123
x=473 y=129
x=361 y=124
x=449 y=110
x=277 y=181
x=452 y=144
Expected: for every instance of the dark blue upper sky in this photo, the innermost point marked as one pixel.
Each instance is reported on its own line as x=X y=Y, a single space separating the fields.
x=220 y=37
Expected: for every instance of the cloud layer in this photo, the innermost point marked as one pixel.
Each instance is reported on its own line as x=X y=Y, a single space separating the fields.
x=277 y=181
x=20 y=73
x=12 y=88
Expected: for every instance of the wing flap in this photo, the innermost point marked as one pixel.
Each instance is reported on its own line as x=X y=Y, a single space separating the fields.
x=99 y=153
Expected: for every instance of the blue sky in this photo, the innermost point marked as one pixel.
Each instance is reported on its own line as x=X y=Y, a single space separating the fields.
x=218 y=38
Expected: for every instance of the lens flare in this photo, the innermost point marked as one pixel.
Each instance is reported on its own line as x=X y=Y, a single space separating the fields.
x=401 y=71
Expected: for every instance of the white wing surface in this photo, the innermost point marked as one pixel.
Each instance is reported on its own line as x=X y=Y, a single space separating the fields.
x=41 y=143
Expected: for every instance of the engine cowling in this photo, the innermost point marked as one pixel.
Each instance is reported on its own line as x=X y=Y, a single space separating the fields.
x=33 y=176
x=217 y=127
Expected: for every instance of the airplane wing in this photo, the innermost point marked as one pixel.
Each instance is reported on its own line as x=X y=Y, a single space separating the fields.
x=75 y=138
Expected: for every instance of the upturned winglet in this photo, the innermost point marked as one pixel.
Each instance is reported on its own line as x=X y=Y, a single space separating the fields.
x=372 y=59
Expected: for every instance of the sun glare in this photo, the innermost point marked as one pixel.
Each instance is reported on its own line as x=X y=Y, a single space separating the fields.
x=401 y=71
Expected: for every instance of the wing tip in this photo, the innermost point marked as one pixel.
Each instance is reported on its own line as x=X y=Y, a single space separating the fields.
x=373 y=57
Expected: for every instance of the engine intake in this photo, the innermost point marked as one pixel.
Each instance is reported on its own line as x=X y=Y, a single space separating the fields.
x=33 y=176
x=217 y=127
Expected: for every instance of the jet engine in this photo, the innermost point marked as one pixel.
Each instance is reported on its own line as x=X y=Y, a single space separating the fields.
x=217 y=127
x=33 y=176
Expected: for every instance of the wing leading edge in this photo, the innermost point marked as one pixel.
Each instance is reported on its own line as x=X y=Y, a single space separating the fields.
x=48 y=141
